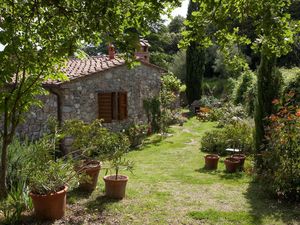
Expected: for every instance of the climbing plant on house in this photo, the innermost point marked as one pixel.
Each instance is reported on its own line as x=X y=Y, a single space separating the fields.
x=40 y=35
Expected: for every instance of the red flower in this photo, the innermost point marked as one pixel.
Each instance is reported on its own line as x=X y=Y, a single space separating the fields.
x=273 y=117
x=298 y=113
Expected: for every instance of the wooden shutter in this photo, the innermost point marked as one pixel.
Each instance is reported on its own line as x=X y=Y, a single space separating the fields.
x=122 y=106
x=105 y=106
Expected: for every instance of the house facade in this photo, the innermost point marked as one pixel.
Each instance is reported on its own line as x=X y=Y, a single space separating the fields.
x=101 y=87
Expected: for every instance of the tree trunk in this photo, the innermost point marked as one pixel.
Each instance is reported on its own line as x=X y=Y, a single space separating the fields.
x=268 y=89
x=3 y=172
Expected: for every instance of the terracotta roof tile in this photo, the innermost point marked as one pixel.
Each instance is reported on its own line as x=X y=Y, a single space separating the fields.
x=77 y=68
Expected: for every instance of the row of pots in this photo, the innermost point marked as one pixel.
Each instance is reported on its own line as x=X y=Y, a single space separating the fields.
x=233 y=163
x=53 y=206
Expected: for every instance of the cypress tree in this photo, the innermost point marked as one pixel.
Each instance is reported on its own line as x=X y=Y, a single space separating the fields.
x=269 y=80
x=195 y=61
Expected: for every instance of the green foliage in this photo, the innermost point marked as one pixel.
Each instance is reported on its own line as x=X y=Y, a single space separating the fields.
x=178 y=66
x=161 y=59
x=17 y=201
x=119 y=146
x=236 y=135
x=244 y=91
x=280 y=167
x=89 y=139
x=293 y=86
x=171 y=83
x=162 y=110
x=152 y=108
x=52 y=177
x=136 y=133
x=176 y=25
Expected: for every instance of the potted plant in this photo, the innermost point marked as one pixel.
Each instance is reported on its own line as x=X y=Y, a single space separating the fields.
x=241 y=158
x=48 y=186
x=232 y=164
x=211 y=161
x=115 y=184
x=89 y=141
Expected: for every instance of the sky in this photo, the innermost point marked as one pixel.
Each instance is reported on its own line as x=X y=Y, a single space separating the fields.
x=178 y=11
x=182 y=10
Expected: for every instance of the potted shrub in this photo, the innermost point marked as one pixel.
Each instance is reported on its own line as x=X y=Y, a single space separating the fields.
x=136 y=133
x=115 y=184
x=89 y=142
x=48 y=186
x=232 y=164
x=211 y=161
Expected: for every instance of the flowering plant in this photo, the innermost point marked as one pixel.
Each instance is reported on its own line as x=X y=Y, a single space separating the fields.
x=282 y=164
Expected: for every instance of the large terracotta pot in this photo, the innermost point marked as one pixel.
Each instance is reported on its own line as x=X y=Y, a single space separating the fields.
x=91 y=169
x=51 y=206
x=115 y=188
x=231 y=164
x=241 y=158
x=211 y=161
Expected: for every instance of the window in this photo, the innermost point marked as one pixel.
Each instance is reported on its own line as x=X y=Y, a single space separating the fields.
x=112 y=106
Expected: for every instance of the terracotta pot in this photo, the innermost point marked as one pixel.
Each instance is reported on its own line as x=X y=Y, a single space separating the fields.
x=115 y=188
x=51 y=206
x=211 y=161
x=241 y=158
x=231 y=165
x=91 y=169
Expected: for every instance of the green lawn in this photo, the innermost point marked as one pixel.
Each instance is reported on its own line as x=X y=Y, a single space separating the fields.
x=170 y=186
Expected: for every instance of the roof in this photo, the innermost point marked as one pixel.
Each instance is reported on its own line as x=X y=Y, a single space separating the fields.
x=78 y=68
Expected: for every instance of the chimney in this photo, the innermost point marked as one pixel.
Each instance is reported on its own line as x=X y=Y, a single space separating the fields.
x=143 y=52
x=111 y=51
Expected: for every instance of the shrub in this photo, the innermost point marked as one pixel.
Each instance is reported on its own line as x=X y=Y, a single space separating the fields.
x=214 y=142
x=245 y=90
x=52 y=177
x=293 y=85
x=161 y=110
x=235 y=135
x=136 y=133
x=280 y=167
x=209 y=101
x=230 y=114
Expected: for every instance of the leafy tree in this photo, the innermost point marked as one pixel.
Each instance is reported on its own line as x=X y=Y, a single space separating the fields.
x=274 y=34
x=40 y=35
x=195 y=61
x=176 y=25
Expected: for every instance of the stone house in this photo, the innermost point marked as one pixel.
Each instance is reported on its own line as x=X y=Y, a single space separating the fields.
x=101 y=87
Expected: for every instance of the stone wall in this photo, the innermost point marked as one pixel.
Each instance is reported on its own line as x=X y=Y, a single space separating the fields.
x=36 y=119
x=78 y=98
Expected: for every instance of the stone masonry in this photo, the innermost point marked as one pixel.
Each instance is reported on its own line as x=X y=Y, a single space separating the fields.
x=78 y=97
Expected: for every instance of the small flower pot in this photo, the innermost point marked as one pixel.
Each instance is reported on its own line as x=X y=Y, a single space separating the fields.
x=211 y=161
x=241 y=158
x=115 y=188
x=91 y=169
x=231 y=164
x=51 y=206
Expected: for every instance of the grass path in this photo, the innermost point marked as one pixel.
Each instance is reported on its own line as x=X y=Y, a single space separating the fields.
x=170 y=186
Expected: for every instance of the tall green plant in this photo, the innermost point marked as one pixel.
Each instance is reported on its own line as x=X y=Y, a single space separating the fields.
x=195 y=62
